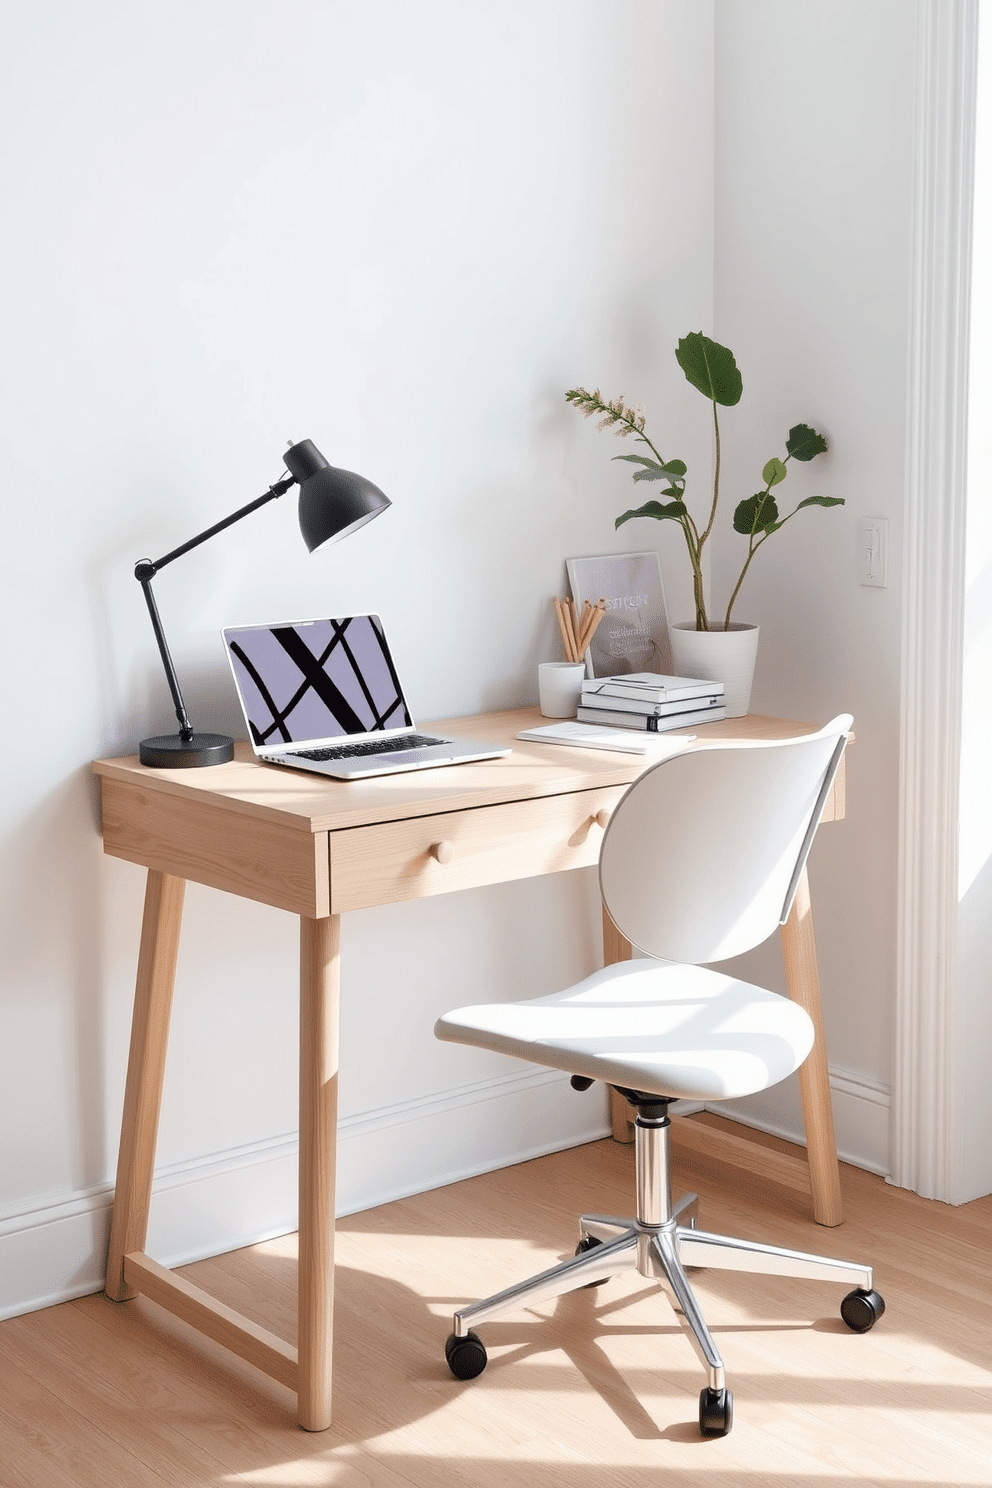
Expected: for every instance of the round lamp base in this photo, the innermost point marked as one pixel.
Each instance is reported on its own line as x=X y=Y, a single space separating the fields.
x=170 y=752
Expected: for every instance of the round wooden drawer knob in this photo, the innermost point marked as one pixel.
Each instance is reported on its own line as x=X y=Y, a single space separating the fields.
x=442 y=851
x=602 y=817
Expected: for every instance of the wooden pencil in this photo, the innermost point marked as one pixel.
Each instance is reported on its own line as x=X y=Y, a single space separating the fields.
x=569 y=609
x=564 y=628
x=591 y=616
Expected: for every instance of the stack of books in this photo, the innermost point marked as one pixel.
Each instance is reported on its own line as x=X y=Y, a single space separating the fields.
x=648 y=700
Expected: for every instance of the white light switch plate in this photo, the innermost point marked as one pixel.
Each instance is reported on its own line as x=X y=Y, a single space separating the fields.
x=873 y=551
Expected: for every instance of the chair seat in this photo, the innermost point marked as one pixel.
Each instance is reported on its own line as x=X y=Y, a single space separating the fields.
x=663 y=1027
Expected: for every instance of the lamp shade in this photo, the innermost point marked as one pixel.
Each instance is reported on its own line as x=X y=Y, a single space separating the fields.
x=332 y=502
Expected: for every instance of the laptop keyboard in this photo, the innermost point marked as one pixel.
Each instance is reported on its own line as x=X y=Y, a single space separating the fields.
x=370 y=746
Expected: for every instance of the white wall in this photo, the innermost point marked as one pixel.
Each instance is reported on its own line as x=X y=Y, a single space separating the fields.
x=813 y=197
x=401 y=231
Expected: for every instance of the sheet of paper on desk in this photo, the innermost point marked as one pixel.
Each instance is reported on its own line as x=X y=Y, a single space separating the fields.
x=588 y=736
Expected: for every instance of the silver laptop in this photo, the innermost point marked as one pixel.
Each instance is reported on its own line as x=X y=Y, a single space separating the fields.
x=324 y=695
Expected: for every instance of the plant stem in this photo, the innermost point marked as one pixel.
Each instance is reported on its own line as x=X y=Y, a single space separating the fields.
x=702 y=621
x=747 y=564
x=716 y=478
x=692 y=542
x=643 y=438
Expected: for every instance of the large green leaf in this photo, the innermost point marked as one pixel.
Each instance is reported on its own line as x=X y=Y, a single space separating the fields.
x=640 y=460
x=774 y=473
x=755 y=514
x=822 y=501
x=672 y=511
x=674 y=468
x=677 y=488
x=710 y=368
x=805 y=443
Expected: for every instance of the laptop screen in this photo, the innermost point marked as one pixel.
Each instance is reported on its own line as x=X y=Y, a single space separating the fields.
x=316 y=679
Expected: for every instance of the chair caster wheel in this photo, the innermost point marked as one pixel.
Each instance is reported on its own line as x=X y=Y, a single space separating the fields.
x=716 y=1412
x=585 y=1245
x=466 y=1356
x=861 y=1310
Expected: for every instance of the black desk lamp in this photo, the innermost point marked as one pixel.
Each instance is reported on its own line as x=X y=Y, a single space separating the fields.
x=332 y=504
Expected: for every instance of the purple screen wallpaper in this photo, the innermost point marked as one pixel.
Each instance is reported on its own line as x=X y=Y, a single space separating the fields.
x=318 y=680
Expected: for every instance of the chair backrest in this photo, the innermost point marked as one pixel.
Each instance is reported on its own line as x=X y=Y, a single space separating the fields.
x=702 y=857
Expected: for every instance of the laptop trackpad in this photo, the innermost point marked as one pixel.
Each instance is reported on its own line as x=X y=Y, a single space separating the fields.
x=399 y=759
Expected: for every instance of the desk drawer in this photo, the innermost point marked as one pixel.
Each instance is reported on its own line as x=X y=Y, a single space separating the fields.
x=426 y=855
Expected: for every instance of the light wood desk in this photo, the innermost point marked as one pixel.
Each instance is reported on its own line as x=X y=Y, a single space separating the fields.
x=318 y=849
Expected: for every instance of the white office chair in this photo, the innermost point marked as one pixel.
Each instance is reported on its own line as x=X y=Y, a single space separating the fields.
x=700 y=862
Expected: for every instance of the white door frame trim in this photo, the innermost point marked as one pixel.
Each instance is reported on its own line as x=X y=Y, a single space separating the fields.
x=925 y=1128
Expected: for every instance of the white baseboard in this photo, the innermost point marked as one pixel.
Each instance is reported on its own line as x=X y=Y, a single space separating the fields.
x=388 y=1154
x=862 y=1111
x=56 y=1250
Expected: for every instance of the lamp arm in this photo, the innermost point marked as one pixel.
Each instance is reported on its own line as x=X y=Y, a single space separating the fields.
x=145 y=571
x=145 y=580
x=279 y=489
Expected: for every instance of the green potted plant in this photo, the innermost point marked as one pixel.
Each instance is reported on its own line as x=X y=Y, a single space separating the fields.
x=711 y=369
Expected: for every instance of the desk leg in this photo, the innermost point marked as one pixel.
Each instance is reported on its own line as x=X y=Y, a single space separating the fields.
x=616 y=947
x=320 y=948
x=160 y=928
x=803 y=979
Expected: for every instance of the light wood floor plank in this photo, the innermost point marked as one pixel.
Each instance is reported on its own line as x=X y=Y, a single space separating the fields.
x=46 y=1439
x=596 y=1390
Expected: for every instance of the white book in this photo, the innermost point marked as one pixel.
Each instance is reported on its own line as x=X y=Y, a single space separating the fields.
x=622 y=704
x=581 y=736
x=616 y=719
x=651 y=687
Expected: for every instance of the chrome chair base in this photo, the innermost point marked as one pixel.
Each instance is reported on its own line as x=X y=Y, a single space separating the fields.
x=660 y=1244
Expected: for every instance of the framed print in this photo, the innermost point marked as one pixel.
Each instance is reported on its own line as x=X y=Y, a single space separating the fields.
x=633 y=634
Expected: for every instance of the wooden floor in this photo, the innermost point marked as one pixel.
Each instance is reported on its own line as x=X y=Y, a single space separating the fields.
x=599 y=1388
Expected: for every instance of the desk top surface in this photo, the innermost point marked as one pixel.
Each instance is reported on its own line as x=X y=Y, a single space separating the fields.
x=315 y=804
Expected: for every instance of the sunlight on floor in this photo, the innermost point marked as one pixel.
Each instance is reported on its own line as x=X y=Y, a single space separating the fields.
x=623 y=1394
x=602 y=1387
x=320 y=1472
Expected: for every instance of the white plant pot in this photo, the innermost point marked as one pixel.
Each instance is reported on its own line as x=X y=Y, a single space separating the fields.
x=726 y=656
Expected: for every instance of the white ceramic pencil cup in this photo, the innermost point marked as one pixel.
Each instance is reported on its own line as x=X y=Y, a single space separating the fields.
x=559 y=686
